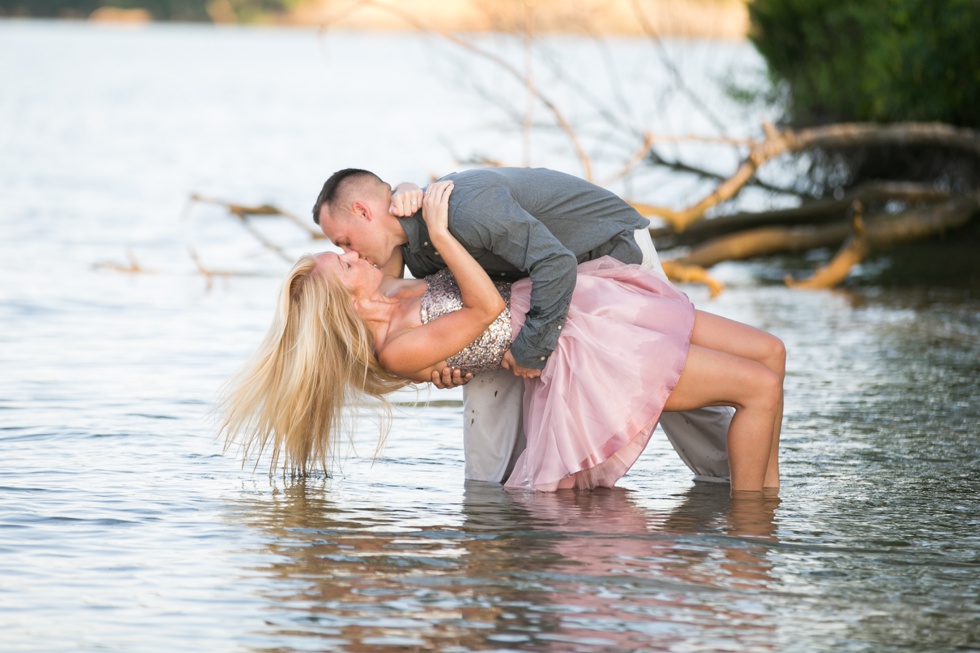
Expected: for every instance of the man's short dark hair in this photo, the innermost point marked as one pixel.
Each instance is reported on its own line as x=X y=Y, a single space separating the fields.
x=332 y=187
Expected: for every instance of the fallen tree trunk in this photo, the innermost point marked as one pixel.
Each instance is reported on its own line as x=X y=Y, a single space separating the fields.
x=810 y=213
x=884 y=232
x=788 y=141
x=765 y=241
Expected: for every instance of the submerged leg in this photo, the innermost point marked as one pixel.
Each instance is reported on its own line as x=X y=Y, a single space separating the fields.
x=718 y=378
x=716 y=332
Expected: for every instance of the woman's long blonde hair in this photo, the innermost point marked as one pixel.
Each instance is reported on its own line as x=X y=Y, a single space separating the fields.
x=316 y=360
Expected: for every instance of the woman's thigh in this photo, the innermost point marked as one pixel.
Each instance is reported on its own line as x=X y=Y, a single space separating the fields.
x=721 y=334
x=718 y=378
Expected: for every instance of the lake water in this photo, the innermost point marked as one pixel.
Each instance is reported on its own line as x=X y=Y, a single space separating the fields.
x=123 y=526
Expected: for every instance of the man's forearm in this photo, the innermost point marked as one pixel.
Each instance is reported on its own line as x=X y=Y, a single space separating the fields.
x=552 y=285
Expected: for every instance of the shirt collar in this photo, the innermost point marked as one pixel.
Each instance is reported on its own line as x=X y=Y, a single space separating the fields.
x=415 y=231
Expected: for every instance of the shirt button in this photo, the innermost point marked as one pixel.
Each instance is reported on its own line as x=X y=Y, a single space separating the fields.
x=426 y=243
x=542 y=358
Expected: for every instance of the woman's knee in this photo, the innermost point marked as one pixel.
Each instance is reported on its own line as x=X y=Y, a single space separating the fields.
x=773 y=388
x=765 y=388
x=775 y=357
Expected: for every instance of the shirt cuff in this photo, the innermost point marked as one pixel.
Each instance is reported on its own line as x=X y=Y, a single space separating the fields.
x=535 y=356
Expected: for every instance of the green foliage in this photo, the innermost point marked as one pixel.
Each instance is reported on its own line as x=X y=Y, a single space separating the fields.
x=180 y=10
x=48 y=8
x=875 y=60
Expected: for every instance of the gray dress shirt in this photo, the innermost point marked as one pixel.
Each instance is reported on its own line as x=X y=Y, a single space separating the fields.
x=519 y=222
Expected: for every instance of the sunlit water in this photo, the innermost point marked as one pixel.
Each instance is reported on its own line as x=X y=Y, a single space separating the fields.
x=123 y=527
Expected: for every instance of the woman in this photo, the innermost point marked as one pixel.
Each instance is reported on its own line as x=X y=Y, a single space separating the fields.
x=631 y=347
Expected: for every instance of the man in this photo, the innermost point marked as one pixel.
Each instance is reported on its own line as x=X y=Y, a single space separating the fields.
x=516 y=222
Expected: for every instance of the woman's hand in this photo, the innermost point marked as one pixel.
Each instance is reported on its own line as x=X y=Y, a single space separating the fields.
x=435 y=207
x=405 y=200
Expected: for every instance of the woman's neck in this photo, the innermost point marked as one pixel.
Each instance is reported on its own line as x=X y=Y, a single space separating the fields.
x=393 y=309
x=396 y=288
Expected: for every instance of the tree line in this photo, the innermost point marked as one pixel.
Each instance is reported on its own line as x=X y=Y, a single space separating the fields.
x=164 y=10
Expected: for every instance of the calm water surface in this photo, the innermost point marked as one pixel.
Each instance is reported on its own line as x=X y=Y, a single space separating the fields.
x=123 y=527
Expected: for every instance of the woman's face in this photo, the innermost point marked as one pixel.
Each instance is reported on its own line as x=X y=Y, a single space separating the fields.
x=356 y=274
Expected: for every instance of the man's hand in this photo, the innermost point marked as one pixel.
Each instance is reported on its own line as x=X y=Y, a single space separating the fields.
x=449 y=377
x=509 y=363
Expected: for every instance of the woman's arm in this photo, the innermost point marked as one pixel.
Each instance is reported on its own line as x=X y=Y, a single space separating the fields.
x=419 y=349
x=436 y=371
x=477 y=289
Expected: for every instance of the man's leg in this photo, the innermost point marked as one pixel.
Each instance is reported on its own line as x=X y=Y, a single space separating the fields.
x=493 y=425
x=700 y=437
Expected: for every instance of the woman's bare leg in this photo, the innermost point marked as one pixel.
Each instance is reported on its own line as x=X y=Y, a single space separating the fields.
x=717 y=378
x=716 y=332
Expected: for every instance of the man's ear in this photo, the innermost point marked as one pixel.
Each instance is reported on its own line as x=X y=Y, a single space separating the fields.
x=361 y=210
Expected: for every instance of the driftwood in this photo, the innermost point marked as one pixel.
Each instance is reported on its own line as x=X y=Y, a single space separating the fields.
x=132 y=267
x=861 y=237
x=765 y=241
x=899 y=211
x=810 y=213
x=692 y=274
x=885 y=231
x=778 y=143
x=243 y=213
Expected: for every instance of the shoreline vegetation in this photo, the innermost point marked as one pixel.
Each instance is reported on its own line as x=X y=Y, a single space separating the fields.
x=718 y=19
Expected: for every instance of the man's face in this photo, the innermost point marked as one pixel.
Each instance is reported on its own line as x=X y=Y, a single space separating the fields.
x=358 y=230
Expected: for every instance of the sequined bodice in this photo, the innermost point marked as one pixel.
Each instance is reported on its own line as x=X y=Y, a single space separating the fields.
x=484 y=353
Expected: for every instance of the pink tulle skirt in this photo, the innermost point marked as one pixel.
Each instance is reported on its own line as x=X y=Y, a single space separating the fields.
x=599 y=398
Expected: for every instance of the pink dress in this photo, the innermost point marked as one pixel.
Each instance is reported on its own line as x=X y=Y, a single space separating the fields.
x=599 y=398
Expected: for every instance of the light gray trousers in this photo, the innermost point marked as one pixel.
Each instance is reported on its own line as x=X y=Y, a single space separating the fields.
x=493 y=434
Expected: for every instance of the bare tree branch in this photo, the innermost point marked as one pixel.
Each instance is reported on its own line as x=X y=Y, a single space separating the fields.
x=765 y=241
x=501 y=63
x=810 y=213
x=777 y=143
x=242 y=211
x=885 y=232
x=692 y=274
x=672 y=69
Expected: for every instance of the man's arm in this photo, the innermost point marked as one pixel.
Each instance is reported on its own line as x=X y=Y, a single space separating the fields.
x=492 y=219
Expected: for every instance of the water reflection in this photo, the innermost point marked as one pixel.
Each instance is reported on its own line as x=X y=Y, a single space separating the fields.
x=566 y=571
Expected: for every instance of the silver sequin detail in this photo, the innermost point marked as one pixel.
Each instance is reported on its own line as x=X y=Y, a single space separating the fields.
x=486 y=352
